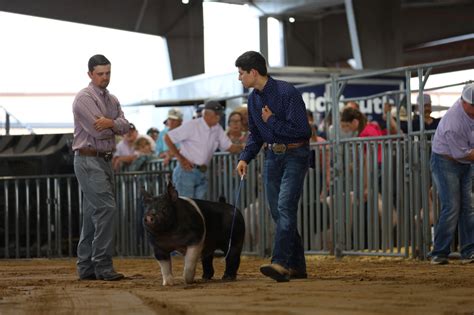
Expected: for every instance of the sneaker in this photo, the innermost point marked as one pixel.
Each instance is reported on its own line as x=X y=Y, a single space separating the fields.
x=276 y=272
x=468 y=260
x=439 y=260
x=298 y=274
x=110 y=276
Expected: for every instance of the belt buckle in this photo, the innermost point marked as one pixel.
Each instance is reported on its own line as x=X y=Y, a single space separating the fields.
x=107 y=156
x=202 y=168
x=279 y=148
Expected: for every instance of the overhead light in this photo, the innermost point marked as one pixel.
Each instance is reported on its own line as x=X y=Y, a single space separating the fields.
x=185 y=1
x=291 y=19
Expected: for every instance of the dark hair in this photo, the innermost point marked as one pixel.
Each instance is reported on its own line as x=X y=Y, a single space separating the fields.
x=97 y=60
x=152 y=130
x=234 y=113
x=349 y=114
x=252 y=60
x=309 y=113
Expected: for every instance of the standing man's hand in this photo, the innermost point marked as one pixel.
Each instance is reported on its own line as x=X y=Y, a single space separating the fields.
x=102 y=123
x=185 y=164
x=242 y=168
x=266 y=113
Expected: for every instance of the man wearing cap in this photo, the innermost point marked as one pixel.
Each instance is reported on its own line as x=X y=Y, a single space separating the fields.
x=153 y=133
x=277 y=121
x=174 y=120
x=430 y=122
x=198 y=139
x=451 y=159
x=98 y=117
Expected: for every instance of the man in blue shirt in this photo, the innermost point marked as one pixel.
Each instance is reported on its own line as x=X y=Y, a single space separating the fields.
x=277 y=120
x=451 y=166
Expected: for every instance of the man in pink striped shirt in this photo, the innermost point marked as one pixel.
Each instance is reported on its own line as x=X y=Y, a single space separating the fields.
x=98 y=117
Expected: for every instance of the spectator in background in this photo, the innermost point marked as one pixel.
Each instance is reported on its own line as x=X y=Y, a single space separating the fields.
x=245 y=117
x=153 y=133
x=451 y=166
x=403 y=118
x=391 y=126
x=174 y=120
x=314 y=129
x=125 y=153
x=98 y=117
x=352 y=104
x=198 y=138
x=430 y=122
x=144 y=153
x=352 y=120
x=344 y=133
x=235 y=130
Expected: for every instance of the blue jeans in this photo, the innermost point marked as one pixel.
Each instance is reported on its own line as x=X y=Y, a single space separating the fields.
x=284 y=176
x=454 y=183
x=192 y=184
x=96 y=244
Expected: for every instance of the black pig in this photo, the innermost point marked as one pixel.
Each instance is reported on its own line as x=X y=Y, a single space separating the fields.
x=195 y=228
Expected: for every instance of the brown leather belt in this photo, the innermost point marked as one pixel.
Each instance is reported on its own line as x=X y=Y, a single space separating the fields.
x=202 y=168
x=107 y=155
x=450 y=158
x=280 y=148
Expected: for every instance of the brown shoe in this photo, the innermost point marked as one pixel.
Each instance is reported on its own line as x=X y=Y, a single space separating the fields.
x=276 y=272
x=298 y=274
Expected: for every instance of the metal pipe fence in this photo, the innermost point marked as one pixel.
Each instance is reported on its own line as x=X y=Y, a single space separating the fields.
x=366 y=196
x=380 y=210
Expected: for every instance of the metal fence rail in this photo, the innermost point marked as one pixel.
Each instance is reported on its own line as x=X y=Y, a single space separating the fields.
x=42 y=214
x=353 y=202
x=382 y=217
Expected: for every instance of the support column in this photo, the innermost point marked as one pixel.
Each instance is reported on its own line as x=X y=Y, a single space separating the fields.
x=375 y=32
x=263 y=36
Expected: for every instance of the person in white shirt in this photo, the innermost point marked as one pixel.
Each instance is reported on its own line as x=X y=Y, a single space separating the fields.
x=198 y=139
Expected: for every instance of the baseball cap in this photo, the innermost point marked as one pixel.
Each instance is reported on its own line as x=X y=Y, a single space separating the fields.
x=152 y=130
x=426 y=99
x=132 y=127
x=215 y=106
x=468 y=93
x=174 y=113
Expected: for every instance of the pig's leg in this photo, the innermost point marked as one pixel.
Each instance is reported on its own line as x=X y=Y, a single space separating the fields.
x=207 y=268
x=166 y=271
x=193 y=253
x=164 y=259
x=232 y=262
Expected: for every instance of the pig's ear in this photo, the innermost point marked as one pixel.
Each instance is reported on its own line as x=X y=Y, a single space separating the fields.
x=172 y=193
x=147 y=197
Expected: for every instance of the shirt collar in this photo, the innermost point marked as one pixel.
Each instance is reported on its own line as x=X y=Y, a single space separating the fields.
x=204 y=123
x=101 y=92
x=268 y=86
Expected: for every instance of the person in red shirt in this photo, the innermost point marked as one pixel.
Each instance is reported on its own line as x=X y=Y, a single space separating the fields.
x=355 y=121
x=352 y=120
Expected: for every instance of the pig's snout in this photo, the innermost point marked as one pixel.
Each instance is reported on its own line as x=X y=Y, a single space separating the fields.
x=149 y=219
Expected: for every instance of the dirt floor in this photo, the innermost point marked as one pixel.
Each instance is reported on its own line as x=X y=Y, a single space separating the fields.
x=348 y=286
